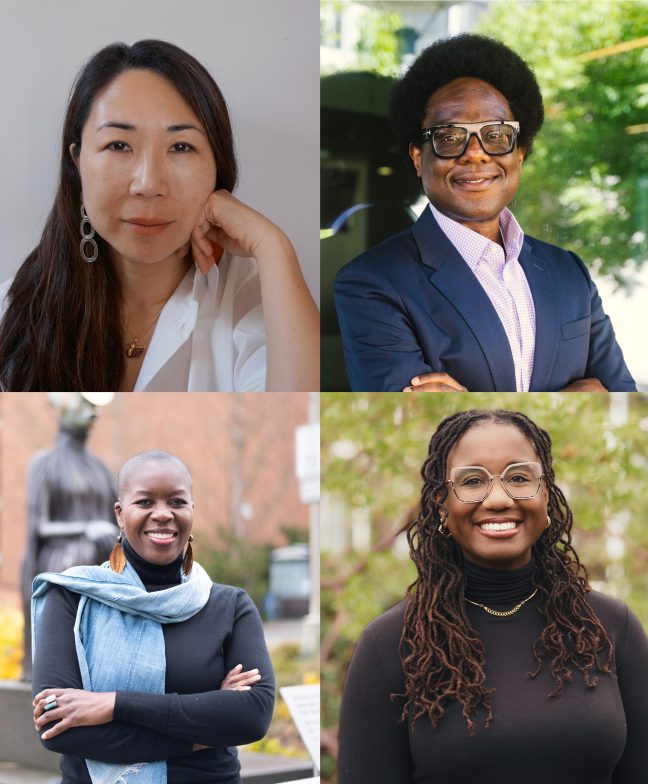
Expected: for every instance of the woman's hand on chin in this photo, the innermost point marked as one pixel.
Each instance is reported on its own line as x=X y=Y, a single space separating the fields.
x=230 y=223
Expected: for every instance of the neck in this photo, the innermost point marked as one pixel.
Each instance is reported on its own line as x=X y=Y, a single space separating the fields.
x=155 y=577
x=488 y=228
x=148 y=286
x=498 y=586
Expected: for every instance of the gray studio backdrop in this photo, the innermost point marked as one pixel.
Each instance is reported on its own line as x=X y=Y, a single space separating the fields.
x=264 y=56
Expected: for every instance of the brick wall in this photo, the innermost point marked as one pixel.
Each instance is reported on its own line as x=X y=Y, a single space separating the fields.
x=238 y=447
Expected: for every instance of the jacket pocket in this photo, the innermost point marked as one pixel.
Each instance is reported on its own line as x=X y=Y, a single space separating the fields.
x=575 y=328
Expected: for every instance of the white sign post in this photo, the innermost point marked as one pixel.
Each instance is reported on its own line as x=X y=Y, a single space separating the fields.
x=304 y=705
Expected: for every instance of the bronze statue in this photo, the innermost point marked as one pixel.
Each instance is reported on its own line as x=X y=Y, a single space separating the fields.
x=70 y=498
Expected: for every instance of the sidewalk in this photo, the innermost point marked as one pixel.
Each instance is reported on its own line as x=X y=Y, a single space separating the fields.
x=256 y=769
x=10 y=773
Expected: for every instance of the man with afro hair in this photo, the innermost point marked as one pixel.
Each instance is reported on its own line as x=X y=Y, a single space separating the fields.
x=464 y=300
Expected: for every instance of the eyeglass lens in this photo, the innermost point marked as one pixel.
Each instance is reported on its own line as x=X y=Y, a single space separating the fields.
x=496 y=139
x=473 y=483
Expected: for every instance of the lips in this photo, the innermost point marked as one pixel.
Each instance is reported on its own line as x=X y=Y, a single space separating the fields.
x=502 y=528
x=141 y=221
x=475 y=182
x=147 y=226
x=161 y=537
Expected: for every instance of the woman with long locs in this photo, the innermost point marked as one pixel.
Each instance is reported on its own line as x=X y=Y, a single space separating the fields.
x=502 y=664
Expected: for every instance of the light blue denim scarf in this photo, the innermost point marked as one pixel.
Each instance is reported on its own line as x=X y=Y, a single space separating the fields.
x=119 y=640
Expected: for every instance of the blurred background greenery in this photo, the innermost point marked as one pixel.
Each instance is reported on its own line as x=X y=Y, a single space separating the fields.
x=373 y=446
x=584 y=187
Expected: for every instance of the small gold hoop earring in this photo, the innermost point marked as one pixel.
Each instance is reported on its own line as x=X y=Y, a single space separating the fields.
x=443 y=528
x=548 y=521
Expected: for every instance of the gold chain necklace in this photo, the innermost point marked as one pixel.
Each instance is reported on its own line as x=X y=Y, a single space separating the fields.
x=504 y=613
x=132 y=349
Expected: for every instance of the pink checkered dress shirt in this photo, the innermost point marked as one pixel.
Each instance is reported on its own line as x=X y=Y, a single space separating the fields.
x=502 y=278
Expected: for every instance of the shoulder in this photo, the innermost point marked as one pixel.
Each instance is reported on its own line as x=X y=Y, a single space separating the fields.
x=236 y=599
x=614 y=610
x=626 y=632
x=614 y=614
x=566 y=259
x=384 y=632
x=61 y=602
x=377 y=653
x=382 y=260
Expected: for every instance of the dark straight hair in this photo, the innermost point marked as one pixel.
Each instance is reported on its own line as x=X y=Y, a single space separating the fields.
x=61 y=330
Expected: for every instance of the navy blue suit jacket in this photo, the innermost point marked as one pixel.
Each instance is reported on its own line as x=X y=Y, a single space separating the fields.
x=412 y=305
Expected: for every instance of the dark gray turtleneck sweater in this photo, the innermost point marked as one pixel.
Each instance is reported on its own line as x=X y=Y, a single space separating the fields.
x=585 y=736
x=199 y=653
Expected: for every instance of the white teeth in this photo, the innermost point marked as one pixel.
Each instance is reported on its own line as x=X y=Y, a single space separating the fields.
x=155 y=535
x=497 y=526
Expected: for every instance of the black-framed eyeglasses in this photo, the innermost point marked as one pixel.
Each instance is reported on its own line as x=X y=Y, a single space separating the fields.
x=451 y=140
x=472 y=484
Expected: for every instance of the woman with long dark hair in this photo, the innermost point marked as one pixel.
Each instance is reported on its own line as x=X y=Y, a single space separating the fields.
x=150 y=274
x=502 y=665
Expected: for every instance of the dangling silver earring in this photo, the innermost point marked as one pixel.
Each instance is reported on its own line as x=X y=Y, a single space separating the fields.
x=87 y=238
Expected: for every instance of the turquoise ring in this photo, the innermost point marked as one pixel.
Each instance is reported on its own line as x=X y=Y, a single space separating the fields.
x=50 y=705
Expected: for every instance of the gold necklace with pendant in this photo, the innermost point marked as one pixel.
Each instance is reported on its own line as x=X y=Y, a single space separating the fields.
x=132 y=349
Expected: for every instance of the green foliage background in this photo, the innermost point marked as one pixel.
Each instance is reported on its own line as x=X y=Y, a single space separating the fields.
x=373 y=445
x=585 y=185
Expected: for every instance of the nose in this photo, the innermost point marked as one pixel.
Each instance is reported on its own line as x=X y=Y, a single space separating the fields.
x=474 y=151
x=498 y=498
x=149 y=176
x=161 y=513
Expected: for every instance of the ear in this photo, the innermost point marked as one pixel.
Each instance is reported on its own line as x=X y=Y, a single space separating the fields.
x=74 y=154
x=415 y=155
x=521 y=152
x=118 y=514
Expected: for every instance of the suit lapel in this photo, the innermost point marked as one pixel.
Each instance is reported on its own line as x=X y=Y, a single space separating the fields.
x=450 y=274
x=546 y=316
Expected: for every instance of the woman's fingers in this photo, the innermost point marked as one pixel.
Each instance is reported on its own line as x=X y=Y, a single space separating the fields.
x=201 y=250
x=42 y=695
x=44 y=699
x=46 y=718
x=238 y=679
x=245 y=676
x=47 y=709
x=57 y=729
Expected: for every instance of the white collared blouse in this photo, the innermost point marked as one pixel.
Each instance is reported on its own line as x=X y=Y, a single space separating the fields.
x=210 y=336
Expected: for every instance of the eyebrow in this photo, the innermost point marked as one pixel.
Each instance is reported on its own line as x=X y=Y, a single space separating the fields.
x=465 y=122
x=143 y=491
x=171 y=129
